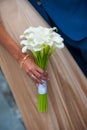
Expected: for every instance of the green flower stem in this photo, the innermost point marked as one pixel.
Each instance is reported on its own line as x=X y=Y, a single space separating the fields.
x=42 y=103
x=41 y=59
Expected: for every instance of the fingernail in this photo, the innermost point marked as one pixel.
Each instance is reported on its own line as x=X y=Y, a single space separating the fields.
x=37 y=84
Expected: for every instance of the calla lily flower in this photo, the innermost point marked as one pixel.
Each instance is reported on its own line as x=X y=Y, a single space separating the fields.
x=42 y=42
x=37 y=36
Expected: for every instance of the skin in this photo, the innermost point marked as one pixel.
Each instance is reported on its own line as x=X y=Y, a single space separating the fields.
x=29 y=65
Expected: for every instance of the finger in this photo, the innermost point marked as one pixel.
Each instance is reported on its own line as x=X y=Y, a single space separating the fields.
x=44 y=77
x=37 y=74
x=40 y=76
x=36 y=79
x=38 y=69
x=37 y=84
x=41 y=71
x=45 y=73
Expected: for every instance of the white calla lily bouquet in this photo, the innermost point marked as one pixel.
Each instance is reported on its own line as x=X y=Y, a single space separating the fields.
x=42 y=42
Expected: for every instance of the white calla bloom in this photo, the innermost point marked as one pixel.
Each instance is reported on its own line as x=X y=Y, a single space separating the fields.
x=36 y=37
x=24 y=49
x=24 y=42
x=60 y=46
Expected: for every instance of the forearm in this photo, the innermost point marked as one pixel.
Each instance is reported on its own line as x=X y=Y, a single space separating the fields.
x=29 y=66
x=9 y=44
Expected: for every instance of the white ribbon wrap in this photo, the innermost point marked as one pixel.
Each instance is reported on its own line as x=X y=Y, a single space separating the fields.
x=42 y=88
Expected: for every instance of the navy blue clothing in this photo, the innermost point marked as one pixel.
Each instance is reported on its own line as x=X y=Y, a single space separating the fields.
x=70 y=16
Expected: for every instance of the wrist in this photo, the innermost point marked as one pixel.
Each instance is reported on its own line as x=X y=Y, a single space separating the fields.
x=20 y=56
x=23 y=60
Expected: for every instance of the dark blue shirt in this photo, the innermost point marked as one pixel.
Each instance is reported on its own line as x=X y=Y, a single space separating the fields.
x=70 y=16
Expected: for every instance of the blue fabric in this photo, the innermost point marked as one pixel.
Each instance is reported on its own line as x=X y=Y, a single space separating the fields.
x=40 y=10
x=70 y=16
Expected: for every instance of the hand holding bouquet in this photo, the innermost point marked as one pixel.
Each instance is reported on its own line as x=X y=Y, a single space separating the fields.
x=42 y=42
